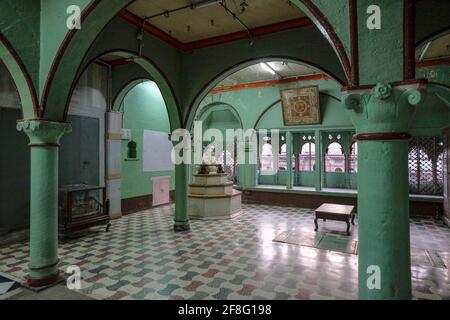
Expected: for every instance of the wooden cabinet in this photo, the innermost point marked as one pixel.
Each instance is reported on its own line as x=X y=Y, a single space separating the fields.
x=81 y=207
x=446 y=216
x=161 y=190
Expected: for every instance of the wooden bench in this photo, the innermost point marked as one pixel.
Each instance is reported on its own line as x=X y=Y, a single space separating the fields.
x=335 y=212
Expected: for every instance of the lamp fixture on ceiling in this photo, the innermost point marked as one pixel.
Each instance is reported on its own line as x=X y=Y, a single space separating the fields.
x=192 y=6
x=243 y=6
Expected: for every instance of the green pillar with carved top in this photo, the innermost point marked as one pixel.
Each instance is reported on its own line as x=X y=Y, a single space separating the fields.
x=289 y=174
x=44 y=145
x=181 y=213
x=382 y=118
x=183 y=152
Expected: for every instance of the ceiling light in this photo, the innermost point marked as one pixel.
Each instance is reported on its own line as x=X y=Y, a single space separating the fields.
x=205 y=3
x=266 y=68
x=273 y=66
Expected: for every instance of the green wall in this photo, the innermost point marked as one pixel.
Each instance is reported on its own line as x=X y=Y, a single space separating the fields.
x=144 y=109
x=14 y=173
x=251 y=103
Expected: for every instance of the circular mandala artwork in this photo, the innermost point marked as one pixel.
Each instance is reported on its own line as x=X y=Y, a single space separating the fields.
x=300 y=108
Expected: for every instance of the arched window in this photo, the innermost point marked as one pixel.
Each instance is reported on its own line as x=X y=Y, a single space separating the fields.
x=282 y=159
x=335 y=158
x=308 y=157
x=353 y=160
x=266 y=159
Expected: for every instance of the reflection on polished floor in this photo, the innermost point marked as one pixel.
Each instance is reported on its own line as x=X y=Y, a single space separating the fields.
x=142 y=258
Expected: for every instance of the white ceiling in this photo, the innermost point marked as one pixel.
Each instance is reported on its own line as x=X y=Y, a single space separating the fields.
x=195 y=24
x=259 y=72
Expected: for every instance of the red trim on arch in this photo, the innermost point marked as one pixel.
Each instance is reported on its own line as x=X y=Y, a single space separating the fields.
x=270 y=83
x=325 y=24
x=409 y=70
x=199 y=44
x=82 y=70
x=434 y=62
x=354 y=46
x=137 y=21
x=25 y=73
x=380 y=136
x=260 y=31
x=60 y=53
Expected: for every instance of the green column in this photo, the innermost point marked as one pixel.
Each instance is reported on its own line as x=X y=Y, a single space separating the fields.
x=44 y=143
x=248 y=169
x=289 y=176
x=181 y=213
x=318 y=159
x=382 y=117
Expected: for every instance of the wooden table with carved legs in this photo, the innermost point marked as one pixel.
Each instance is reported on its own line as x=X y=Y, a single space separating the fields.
x=335 y=212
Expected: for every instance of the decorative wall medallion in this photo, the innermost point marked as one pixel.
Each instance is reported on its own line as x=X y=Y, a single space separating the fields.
x=300 y=106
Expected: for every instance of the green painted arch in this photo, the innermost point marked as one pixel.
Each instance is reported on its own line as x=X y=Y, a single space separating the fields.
x=261 y=116
x=130 y=85
x=334 y=27
x=219 y=106
x=122 y=93
x=97 y=15
x=153 y=74
x=71 y=53
x=192 y=111
x=22 y=80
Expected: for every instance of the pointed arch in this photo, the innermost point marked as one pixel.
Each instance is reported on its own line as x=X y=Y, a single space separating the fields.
x=154 y=74
x=21 y=77
x=192 y=110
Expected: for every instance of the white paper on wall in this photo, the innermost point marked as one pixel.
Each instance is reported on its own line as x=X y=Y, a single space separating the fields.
x=157 y=151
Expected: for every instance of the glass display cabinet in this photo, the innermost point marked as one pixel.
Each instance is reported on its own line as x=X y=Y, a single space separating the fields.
x=80 y=207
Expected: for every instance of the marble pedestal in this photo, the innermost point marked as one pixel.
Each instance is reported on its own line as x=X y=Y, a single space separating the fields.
x=211 y=196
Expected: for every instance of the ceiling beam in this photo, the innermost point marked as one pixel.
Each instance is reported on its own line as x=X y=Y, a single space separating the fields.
x=269 y=83
x=190 y=46
x=260 y=31
x=148 y=27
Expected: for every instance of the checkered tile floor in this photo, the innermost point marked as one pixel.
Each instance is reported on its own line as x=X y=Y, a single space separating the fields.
x=142 y=258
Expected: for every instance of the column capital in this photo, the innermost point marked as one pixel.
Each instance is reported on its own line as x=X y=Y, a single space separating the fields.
x=385 y=109
x=43 y=133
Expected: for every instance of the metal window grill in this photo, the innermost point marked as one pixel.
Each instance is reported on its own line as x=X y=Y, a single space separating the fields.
x=425 y=163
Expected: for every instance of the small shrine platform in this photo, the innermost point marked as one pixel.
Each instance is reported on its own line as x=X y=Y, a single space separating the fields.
x=211 y=196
